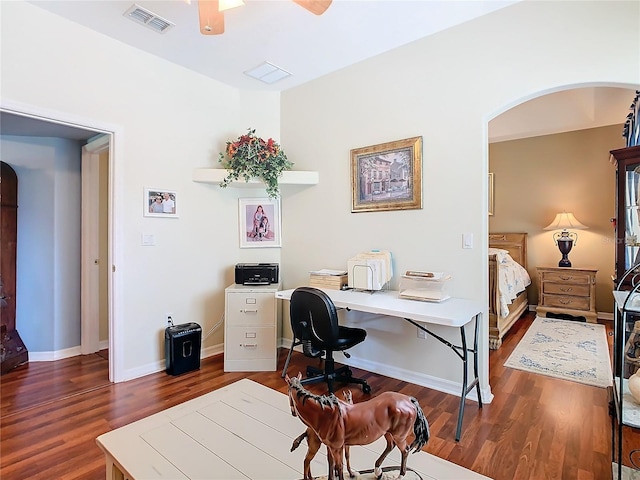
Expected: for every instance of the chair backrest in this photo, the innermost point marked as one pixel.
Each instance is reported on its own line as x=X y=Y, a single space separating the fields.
x=314 y=317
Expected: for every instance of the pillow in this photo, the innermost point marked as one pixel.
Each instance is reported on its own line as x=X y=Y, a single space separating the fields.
x=501 y=255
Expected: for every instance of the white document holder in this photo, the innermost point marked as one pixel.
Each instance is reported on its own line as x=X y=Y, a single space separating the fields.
x=369 y=270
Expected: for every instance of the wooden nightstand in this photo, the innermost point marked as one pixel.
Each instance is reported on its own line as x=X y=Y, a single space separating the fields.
x=570 y=291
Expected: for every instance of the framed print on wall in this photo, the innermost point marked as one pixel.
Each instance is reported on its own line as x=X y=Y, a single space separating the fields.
x=160 y=202
x=387 y=176
x=259 y=221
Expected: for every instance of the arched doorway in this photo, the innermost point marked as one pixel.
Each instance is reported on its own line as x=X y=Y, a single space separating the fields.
x=550 y=153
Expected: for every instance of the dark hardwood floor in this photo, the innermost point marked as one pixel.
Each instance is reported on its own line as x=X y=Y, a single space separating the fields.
x=537 y=427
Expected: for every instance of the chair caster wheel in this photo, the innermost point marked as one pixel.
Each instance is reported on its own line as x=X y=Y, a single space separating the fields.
x=366 y=388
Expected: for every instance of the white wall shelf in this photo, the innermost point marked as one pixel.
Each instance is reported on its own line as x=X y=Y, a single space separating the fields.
x=289 y=177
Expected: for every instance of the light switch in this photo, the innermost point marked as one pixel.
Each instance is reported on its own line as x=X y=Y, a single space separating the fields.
x=467 y=240
x=148 y=239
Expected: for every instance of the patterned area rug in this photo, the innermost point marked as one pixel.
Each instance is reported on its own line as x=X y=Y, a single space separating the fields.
x=564 y=349
x=627 y=473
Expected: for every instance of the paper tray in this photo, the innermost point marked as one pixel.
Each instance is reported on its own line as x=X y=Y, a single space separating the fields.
x=424 y=289
x=423 y=296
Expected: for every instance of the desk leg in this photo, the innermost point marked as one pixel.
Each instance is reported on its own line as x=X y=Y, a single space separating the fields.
x=463 y=337
x=463 y=354
x=476 y=381
x=475 y=360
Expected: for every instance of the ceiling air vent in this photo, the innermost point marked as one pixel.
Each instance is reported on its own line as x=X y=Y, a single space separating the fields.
x=268 y=73
x=148 y=19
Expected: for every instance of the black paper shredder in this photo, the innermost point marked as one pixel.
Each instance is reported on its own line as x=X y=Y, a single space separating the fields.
x=182 y=348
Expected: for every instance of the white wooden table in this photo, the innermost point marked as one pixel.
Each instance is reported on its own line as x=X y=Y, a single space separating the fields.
x=241 y=431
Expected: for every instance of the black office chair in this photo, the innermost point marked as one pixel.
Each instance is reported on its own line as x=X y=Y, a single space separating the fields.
x=314 y=322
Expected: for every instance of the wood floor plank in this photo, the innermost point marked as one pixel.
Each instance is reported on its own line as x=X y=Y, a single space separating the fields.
x=537 y=427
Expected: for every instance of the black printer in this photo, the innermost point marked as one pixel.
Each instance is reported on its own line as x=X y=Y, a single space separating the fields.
x=256 y=273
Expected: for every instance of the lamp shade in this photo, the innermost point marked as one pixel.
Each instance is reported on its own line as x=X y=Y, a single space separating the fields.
x=564 y=221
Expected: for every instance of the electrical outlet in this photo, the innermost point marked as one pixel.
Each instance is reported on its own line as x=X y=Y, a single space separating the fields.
x=169 y=318
x=421 y=333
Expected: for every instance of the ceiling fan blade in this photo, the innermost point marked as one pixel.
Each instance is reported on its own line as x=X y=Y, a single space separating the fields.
x=314 y=6
x=211 y=19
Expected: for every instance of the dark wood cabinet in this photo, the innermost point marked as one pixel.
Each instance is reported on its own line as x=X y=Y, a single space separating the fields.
x=12 y=350
x=627 y=211
x=625 y=409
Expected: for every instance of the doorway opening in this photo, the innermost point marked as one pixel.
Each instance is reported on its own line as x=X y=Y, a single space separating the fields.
x=549 y=153
x=98 y=293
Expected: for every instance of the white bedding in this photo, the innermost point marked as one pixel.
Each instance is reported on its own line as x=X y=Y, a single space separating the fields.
x=513 y=278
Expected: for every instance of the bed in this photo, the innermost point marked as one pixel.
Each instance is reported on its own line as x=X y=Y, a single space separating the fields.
x=508 y=282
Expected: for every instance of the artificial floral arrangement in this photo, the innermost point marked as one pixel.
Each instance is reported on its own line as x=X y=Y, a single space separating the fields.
x=251 y=156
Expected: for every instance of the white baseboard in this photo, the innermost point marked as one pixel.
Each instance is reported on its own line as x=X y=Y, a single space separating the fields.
x=161 y=365
x=60 y=354
x=428 y=381
x=148 y=369
x=211 y=351
x=54 y=355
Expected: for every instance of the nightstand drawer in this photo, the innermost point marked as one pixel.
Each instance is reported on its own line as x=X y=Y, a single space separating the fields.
x=566 y=289
x=566 y=301
x=573 y=278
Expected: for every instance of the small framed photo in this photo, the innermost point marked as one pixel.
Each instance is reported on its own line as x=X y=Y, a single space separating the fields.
x=387 y=176
x=259 y=221
x=160 y=202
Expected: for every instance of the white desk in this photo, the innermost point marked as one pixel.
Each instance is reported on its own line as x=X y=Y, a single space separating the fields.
x=454 y=312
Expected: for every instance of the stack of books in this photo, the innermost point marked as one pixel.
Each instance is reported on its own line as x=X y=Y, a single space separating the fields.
x=327 y=278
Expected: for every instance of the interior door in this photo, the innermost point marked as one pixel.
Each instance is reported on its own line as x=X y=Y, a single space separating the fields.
x=94 y=252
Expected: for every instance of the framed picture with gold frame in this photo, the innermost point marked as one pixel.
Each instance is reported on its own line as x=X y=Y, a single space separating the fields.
x=387 y=176
x=491 y=198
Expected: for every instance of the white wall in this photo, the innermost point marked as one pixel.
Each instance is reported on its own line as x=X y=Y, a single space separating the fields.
x=48 y=254
x=444 y=88
x=169 y=121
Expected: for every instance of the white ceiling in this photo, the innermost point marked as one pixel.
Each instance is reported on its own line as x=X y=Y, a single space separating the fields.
x=565 y=111
x=310 y=46
x=277 y=31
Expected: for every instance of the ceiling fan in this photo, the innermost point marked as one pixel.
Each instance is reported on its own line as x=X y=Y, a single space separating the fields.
x=211 y=12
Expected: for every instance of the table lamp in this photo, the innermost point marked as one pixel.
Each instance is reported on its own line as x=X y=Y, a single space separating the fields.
x=565 y=239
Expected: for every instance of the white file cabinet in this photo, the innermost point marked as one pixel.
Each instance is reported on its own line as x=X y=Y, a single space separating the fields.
x=250 y=328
